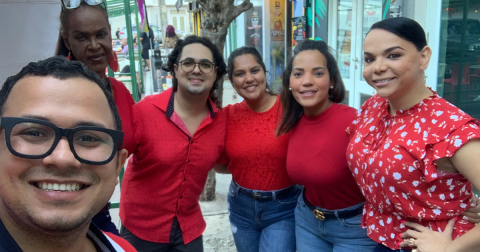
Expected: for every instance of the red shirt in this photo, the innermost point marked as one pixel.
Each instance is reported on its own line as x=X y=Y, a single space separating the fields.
x=168 y=170
x=393 y=160
x=255 y=157
x=316 y=158
x=124 y=101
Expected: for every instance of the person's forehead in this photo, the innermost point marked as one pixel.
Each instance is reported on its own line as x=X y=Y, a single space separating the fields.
x=197 y=52
x=74 y=99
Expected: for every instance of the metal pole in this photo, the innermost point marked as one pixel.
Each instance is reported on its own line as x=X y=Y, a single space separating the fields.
x=131 y=49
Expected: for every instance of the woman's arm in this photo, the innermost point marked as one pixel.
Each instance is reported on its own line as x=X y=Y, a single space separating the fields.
x=467 y=162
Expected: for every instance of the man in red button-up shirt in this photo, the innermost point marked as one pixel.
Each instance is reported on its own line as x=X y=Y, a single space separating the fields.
x=179 y=135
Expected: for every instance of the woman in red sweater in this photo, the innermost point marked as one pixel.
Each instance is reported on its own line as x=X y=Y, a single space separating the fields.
x=85 y=36
x=262 y=197
x=329 y=213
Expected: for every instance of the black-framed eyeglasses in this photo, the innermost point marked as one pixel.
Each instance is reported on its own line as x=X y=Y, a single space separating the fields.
x=205 y=66
x=34 y=139
x=73 y=4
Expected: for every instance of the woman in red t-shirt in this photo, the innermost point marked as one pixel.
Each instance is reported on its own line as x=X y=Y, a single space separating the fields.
x=329 y=212
x=261 y=197
x=414 y=155
x=85 y=36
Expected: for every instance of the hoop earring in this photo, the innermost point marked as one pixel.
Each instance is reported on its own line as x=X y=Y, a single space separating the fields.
x=425 y=79
x=69 y=56
x=234 y=96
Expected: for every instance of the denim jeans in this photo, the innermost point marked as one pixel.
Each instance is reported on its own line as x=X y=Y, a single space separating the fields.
x=382 y=248
x=262 y=226
x=330 y=235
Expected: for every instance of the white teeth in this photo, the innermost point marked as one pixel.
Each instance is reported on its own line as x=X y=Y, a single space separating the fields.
x=58 y=187
x=382 y=81
x=250 y=88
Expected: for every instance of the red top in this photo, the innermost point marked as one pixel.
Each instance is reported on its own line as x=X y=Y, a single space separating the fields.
x=124 y=101
x=316 y=158
x=393 y=160
x=168 y=170
x=257 y=158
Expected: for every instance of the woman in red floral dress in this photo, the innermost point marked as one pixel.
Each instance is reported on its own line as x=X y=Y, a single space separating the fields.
x=413 y=154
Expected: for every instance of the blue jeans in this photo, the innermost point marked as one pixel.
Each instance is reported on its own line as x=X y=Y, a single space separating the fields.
x=262 y=226
x=382 y=248
x=330 y=235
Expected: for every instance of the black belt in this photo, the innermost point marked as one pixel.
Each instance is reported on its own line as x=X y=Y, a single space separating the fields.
x=322 y=215
x=267 y=196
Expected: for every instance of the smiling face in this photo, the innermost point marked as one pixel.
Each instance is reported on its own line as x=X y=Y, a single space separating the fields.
x=195 y=82
x=23 y=199
x=248 y=78
x=87 y=36
x=310 y=81
x=393 y=66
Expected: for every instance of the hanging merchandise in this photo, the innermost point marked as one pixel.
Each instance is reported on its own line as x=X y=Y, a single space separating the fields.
x=254 y=33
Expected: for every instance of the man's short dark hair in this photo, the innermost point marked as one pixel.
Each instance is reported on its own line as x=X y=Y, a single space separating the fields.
x=174 y=58
x=60 y=68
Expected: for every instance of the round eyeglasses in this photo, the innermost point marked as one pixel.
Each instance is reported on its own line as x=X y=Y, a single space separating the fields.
x=205 y=66
x=34 y=139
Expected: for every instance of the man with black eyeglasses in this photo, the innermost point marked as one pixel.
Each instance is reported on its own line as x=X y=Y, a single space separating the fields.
x=179 y=135
x=60 y=155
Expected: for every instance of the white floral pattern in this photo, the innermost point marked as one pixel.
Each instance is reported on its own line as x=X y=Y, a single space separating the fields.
x=393 y=161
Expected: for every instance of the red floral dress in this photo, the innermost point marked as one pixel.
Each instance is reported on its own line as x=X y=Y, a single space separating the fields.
x=393 y=161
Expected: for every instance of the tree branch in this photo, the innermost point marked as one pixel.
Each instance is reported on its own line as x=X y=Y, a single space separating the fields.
x=203 y=5
x=239 y=9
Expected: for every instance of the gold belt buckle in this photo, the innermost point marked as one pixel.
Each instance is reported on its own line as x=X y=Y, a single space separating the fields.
x=319 y=214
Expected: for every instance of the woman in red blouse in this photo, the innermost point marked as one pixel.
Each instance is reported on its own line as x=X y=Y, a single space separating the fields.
x=261 y=197
x=328 y=214
x=413 y=154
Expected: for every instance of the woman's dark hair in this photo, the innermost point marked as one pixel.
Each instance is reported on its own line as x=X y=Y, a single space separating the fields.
x=241 y=51
x=61 y=48
x=292 y=110
x=170 y=31
x=174 y=58
x=405 y=28
x=62 y=69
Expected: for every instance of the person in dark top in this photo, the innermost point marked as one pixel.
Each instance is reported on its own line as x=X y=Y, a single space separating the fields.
x=117 y=33
x=147 y=40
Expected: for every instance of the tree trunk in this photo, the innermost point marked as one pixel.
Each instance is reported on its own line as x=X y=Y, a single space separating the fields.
x=220 y=13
